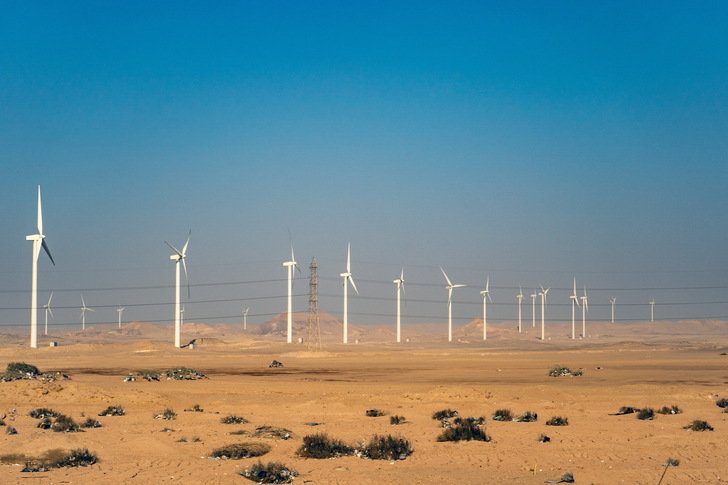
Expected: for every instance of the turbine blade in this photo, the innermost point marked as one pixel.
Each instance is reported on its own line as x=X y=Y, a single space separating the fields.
x=449 y=296
x=348 y=259
x=91 y=309
x=49 y=299
x=487 y=282
x=51 y=312
x=184 y=249
x=184 y=265
x=491 y=299
x=574 y=286
x=83 y=302
x=446 y=278
x=352 y=284
x=48 y=251
x=174 y=249
x=40 y=215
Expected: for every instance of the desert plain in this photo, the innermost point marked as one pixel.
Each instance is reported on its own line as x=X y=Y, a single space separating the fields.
x=643 y=365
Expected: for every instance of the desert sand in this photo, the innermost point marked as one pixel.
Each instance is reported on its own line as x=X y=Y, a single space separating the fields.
x=639 y=365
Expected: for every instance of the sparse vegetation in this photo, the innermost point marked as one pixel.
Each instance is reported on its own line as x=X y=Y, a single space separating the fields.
x=699 y=425
x=65 y=424
x=19 y=370
x=271 y=432
x=560 y=370
x=273 y=472
x=722 y=403
x=646 y=414
x=167 y=414
x=464 y=430
x=669 y=410
x=375 y=413
x=237 y=451
x=558 y=421
x=195 y=409
x=177 y=373
x=502 y=415
x=387 y=448
x=42 y=413
x=542 y=438
x=320 y=446
x=394 y=420
x=11 y=430
x=528 y=417
x=90 y=423
x=113 y=411
x=625 y=410
x=671 y=462
x=445 y=413
x=45 y=423
x=233 y=419
x=55 y=458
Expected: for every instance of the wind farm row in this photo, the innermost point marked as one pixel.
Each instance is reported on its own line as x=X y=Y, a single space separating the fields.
x=179 y=256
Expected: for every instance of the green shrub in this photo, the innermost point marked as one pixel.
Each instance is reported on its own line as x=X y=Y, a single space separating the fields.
x=19 y=370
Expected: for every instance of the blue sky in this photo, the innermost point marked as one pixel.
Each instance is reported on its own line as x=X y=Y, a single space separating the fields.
x=531 y=141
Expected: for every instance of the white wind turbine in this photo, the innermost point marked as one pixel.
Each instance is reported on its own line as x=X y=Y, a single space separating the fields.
x=83 y=313
x=177 y=257
x=449 y=287
x=47 y=307
x=612 y=301
x=120 y=310
x=400 y=284
x=652 y=310
x=245 y=318
x=584 y=309
x=543 y=305
x=290 y=265
x=38 y=242
x=520 y=297
x=533 y=308
x=347 y=277
x=486 y=295
x=574 y=300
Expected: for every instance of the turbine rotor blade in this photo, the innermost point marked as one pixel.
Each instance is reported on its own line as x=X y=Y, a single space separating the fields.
x=348 y=259
x=40 y=215
x=184 y=249
x=446 y=278
x=49 y=299
x=174 y=249
x=184 y=265
x=487 y=282
x=48 y=251
x=50 y=311
x=352 y=283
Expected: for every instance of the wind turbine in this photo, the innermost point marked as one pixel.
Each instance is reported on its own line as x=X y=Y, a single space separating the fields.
x=584 y=309
x=400 y=284
x=543 y=304
x=347 y=277
x=47 y=307
x=38 y=242
x=612 y=301
x=574 y=300
x=520 y=297
x=291 y=265
x=652 y=310
x=177 y=257
x=83 y=313
x=486 y=294
x=533 y=308
x=182 y=316
x=120 y=310
x=449 y=287
x=245 y=318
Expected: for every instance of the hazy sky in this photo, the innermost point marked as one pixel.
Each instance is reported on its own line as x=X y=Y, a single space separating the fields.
x=529 y=141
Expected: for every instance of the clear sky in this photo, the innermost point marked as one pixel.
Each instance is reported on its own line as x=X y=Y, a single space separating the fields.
x=530 y=141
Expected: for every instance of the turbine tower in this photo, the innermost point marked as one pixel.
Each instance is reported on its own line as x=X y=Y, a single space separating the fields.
x=449 y=287
x=245 y=318
x=38 y=242
x=400 y=284
x=313 y=335
x=533 y=308
x=652 y=310
x=347 y=277
x=520 y=297
x=486 y=295
x=584 y=309
x=120 y=310
x=47 y=307
x=543 y=305
x=177 y=257
x=83 y=313
x=290 y=265
x=574 y=300
x=182 y=316
x=612 y=301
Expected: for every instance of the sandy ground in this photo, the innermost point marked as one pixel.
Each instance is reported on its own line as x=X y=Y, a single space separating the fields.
x=336 y=387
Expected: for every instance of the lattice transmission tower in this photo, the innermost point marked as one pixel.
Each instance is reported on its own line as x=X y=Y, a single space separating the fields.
x=313 y=334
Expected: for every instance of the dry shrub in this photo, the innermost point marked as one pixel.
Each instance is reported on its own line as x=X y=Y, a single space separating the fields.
x=669 y=410
x=65 y=424
x=233 y=419
x=42 y=413
x=394 y=420
x=699 y=425
x=464 y=430
x=387 y=448
x=542 y=438
x=90 y=423
x=167 y=414
x=195 y=409
x=113 y=411
x=646 y=414
x=445 y=413
x=558 y=421
x=722 y=403
x=19 y=370
x=320 y=446
x=237 y=451
x=273 y=472
x=503 y=415
x=529 y=417
x=375 y=413
x=55 y=458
